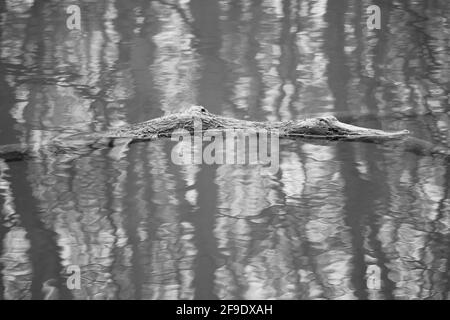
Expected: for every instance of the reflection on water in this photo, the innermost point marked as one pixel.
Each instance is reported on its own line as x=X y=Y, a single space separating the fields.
x=144 y=228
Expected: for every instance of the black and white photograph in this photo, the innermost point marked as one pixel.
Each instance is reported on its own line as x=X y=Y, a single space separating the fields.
x=225 y=155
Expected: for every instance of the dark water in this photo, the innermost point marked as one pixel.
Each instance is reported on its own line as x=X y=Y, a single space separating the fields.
x=142 y=227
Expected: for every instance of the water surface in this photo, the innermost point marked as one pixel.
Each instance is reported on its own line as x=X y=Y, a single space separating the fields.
x=141 y=227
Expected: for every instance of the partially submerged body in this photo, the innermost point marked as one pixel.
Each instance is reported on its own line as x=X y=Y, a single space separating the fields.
x=325 y=128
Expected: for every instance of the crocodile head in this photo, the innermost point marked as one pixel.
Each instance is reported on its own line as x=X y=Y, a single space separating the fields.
x=329 y=126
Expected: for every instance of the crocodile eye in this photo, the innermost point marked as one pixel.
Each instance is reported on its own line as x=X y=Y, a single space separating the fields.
x=198 y=109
